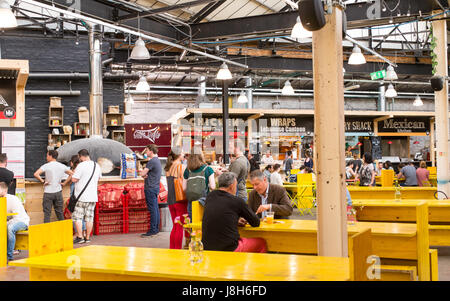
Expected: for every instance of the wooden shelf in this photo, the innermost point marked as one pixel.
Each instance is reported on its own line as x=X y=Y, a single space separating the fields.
x=113 y=119
x=55 y=116
x=54 y=139
x=81 y=129
x=118 y=135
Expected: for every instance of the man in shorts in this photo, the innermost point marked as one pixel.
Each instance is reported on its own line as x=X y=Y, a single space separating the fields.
x=84 y=209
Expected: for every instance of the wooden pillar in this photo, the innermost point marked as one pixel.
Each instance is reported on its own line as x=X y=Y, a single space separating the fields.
x=329 y=137
x=225 y=107
x=432 y=141
x=441 y=107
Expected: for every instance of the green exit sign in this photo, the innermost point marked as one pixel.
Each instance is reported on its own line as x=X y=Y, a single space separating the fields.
x=378 y=74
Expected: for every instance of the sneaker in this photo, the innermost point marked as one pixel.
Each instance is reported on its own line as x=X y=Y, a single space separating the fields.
x=16 y=252
x=78 y=240
x=148 y=234
x=87 y=240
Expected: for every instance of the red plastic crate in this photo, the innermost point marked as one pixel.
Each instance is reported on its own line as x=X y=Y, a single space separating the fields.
x=138 y=216
x=138 y=227
x=109 y=222
x=109 y=229
x=110 y=197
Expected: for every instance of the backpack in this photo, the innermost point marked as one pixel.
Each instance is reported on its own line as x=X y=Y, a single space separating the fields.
x=196 y=185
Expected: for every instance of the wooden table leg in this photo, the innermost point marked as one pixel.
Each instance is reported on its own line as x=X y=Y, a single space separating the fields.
x=423 y=242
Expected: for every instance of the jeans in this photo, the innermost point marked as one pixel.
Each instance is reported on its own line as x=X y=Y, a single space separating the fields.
x=13 y=228
x=151 y=197
x=55 y=200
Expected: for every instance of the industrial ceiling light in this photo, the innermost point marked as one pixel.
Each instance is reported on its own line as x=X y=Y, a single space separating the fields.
x=287 y=89
x=140 y=52
x=390 y=92
x=143 y=85
x=418 y=101
x=299 y=32
x=7 y=18
x=357 y=58
x=242 y=98
x=390 y=74
x=224 y=73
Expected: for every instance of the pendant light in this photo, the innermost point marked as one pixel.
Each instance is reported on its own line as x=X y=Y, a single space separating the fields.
x=418 y=101
x=287 y=89
x=357 y=58
x=139 y=52
x=242 y=98
x=224 y=73
x=390 y=74
x=7 y=18
x=299 y=32
x=143 y=85
x=390 y=92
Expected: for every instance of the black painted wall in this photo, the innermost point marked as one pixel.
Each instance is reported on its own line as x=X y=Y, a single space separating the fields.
x=53 y=55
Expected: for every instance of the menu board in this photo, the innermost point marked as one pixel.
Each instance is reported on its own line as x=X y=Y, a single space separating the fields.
x=13 y=144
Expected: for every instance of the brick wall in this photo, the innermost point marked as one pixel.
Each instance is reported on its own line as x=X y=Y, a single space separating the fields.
x=53 y=55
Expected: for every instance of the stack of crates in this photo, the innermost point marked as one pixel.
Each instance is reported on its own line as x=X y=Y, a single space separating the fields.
x=110 y=210
x=137 y=217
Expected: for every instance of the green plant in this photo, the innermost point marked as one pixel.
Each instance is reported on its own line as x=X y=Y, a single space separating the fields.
x=434 y=62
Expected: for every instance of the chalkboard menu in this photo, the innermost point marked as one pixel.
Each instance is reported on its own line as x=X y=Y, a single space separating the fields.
x=377 y=153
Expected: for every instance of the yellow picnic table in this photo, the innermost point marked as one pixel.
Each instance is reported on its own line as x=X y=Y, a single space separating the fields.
x=364 y=192
x=390 y=241
x=383 y=210
x=108 y=263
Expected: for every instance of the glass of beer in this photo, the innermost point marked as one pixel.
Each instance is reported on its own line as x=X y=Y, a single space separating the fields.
x=269 y=217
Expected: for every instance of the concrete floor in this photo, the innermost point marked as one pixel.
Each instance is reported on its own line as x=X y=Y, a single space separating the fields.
x=161 y=240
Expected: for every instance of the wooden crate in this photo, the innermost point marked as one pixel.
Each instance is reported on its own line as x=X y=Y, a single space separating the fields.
x=55 y=116
x=113 y=119
x=114 y=110
x=118 y=136
x=81 y=129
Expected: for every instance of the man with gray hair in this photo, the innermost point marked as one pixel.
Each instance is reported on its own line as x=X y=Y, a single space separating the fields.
x=223 y=209
x=240 y=167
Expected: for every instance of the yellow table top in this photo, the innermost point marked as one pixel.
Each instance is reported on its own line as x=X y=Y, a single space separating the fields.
x=167 y=263
x=11 y=214
x=392 y=188
x=310 y=226
x=401 y=203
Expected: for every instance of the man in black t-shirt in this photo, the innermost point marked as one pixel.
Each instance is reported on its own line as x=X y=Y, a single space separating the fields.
x=6 y=175
x=221 y=216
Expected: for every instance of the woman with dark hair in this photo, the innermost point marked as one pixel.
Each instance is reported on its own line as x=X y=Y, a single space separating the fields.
x=309 y=161
x=366 y=173
x=177 y=207
x=196 y=167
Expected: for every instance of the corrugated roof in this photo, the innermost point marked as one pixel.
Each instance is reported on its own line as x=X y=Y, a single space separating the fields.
x=229 y=9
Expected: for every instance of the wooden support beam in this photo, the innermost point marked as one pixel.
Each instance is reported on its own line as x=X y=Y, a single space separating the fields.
x=256 y=116
x=329 y=137
x=432 y=142
x=441 y=106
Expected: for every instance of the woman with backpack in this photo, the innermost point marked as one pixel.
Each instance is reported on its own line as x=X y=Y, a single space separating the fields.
x=175 y=197
x=198 y=180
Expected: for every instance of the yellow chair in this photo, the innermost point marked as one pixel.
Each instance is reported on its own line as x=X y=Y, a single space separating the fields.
x=387 y=178
x=433 y=170
x=305 y=198
x=295 y=171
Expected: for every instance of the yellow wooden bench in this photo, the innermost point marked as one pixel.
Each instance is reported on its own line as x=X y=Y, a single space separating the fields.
x=46 y=238
x=299 y=236
x=360 y=192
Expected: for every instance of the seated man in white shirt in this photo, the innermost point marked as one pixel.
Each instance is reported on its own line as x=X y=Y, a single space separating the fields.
x=15 y=223
x=267 y=159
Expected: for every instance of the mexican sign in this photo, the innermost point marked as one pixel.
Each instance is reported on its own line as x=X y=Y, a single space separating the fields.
x=7 y=99
x=139 y=135
x=404 y=125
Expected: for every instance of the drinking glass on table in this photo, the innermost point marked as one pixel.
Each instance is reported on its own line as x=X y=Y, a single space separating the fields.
x=269 y=217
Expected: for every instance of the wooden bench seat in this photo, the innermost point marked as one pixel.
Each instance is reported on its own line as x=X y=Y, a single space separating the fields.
x=398 y=273
x=46 y=238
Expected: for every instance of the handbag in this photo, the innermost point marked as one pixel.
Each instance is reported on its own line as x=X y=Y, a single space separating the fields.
x=180 y=194
x=73 y=200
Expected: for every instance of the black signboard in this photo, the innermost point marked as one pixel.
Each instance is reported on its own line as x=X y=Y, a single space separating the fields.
x=7 y=99
x=377 y=152
x=359 y=125
x=286 y=126
x=404 y=125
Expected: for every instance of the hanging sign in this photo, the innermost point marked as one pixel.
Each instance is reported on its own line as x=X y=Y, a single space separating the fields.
x=404 y=125
x=378 y=75
x=138 y=136
x=7 y=99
